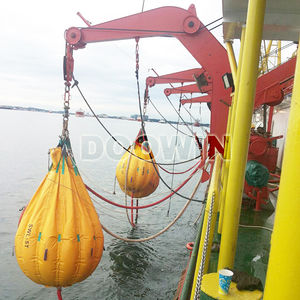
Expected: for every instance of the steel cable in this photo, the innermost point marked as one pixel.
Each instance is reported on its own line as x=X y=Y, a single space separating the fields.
x=113 y=137
x=163 y=230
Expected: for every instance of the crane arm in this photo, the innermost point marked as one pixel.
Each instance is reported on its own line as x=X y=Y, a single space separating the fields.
x=191 y=88
x=177 y=77
x=271 y=87
x=166 y=22
x=202 y=99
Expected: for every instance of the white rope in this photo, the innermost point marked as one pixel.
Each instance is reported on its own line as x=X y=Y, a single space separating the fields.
x=87 y=176
x=256 y=227
x=163 y=230
x=200 y=214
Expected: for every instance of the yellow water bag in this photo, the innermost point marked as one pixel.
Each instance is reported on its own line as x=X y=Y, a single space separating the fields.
x=138 y=177
x=59 y=240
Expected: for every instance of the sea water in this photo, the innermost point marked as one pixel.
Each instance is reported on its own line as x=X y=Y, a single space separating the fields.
x=149 y=270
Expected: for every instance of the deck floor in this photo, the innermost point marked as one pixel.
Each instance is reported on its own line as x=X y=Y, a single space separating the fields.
x=253 y=244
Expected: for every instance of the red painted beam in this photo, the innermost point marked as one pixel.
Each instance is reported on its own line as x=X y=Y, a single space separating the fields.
x=166 y=21
x=202 y=99
x=192 y=88
x=270 y=86
x=178 y=77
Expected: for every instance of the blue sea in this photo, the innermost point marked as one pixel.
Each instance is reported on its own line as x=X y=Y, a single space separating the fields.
x=149 y=270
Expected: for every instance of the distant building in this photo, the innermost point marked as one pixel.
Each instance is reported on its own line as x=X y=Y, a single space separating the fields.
x=138 y=117
x=103 y=116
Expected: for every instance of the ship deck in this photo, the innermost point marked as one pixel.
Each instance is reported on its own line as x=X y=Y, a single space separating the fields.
x=253 y=243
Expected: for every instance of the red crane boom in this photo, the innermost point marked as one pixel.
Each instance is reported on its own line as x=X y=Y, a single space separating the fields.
x=165 y=21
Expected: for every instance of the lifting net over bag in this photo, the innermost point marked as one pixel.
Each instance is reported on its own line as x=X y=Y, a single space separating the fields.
x=59 y=240
x=138 y=177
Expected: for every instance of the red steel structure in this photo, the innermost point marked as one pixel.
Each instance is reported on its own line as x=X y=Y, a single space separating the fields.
x=270 y=89
x=171 y=22
x=181 y=77
x=208 y=52
x=191 y=75
x=212 y=57
x=201 y=99
x=177 y=77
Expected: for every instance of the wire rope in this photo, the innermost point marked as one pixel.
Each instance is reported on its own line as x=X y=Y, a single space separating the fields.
x=143 y=127
x=278 y=49
x=107 y=211
x=163 y=230
x=152 y=31
x=114 y=138
x=87 y=177
x=178 y=173
x=167 y=120
x=125 y=187
x=174 y=155
x=191 y=130
x=142 y=119
x=152 y=204
x=180 y=116
x=121 y=211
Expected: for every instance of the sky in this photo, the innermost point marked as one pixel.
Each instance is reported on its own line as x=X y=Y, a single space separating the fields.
x=33 y=45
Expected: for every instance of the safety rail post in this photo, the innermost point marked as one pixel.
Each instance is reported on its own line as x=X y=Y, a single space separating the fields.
x=241 y=132
x=213 y=191
x=283 y=269
x=230 y=133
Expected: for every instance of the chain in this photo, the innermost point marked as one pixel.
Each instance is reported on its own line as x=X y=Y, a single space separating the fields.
x=204 y=251
x=137 y=67
x=67 y=97
x=137 y=58
x=146 y=100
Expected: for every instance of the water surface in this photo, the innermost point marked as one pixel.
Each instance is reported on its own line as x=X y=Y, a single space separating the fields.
x=149 y=270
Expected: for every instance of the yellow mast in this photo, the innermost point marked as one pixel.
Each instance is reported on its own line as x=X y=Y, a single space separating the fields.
x=284 y=264
x=229 y=130
x=270 y=56
x=240 y=138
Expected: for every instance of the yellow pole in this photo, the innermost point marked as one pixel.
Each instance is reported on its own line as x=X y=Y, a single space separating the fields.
x=230 y=133
x=264 y=64
x=213 y=191
x=241 y=133
x=237 y=84
x=279 y=53
x=233 y=67
x=284 y=264
x=226 y=150
x=231 y=58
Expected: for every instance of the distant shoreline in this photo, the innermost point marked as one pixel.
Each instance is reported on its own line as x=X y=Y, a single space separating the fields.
x=35 y=109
